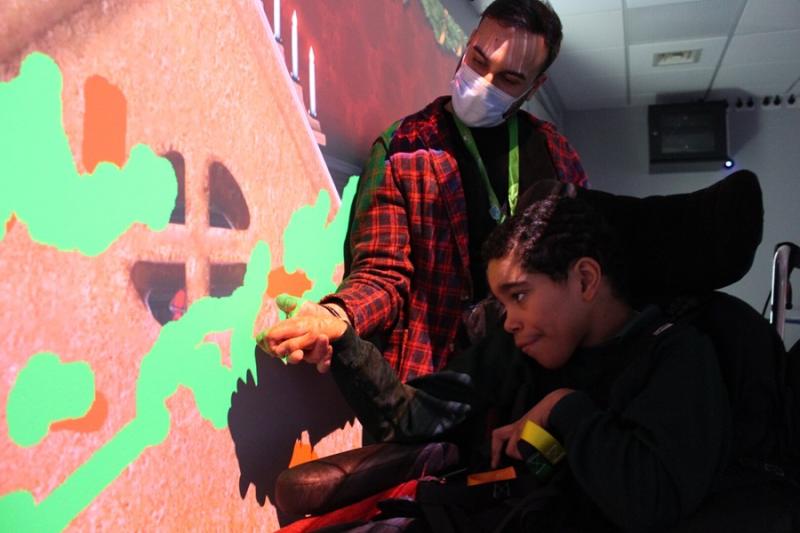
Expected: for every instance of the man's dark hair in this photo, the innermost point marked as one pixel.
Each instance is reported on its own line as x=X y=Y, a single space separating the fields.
x=551 y=234
x=535 y=16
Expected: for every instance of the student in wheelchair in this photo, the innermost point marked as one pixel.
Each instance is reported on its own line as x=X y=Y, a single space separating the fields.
x=654 y=422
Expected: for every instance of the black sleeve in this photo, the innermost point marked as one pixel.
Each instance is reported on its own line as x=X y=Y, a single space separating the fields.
x=652 y=459
x=425 y=409
x=443 y=405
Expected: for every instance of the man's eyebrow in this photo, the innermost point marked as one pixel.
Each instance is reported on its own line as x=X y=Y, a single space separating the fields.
x=507 y=72
x=480 y=52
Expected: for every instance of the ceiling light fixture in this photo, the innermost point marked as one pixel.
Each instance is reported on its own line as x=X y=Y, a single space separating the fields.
x=678 y=57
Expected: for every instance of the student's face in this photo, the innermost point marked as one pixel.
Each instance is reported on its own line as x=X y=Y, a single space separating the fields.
x=549 y=319
x=509 y=58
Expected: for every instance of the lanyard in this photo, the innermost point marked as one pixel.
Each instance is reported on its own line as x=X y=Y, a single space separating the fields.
x=513 y=166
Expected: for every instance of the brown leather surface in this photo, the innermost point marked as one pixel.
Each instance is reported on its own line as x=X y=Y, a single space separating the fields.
x=332 y=482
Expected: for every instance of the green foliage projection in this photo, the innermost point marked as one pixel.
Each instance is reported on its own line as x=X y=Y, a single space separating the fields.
x=179 y=357
x=39 y=181
x=445 y=29
x=47 y=391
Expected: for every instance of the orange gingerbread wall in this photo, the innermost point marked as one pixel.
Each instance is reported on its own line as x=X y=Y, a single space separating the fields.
x=205 y=88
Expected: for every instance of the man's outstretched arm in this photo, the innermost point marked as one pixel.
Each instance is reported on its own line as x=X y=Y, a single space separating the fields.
x=378 y=269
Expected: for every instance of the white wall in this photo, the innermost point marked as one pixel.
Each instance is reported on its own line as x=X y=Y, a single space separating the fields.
x=613 y=146
x=542 y=106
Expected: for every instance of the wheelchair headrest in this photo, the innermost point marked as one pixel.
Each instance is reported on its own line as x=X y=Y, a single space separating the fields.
x=686 y=243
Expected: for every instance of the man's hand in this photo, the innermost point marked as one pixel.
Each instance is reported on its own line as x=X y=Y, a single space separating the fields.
x=304 y=338
x=318 y=352
x=292 y=306
x=507 y=437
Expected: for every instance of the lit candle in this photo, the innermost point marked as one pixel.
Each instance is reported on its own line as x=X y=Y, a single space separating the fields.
x=276 y=19
x=312 y=83
x=295 y=68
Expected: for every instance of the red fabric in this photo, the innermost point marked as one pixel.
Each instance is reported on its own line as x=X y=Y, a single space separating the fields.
x=363 y=510
x=409 y=279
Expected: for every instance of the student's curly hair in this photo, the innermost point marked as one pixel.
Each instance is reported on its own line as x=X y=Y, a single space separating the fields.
x=551 y=234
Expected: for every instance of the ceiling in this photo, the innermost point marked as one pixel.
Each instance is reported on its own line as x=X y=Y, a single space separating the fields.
x=748 y=48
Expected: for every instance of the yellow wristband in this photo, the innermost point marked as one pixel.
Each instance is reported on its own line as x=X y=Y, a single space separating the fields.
x=548 y=446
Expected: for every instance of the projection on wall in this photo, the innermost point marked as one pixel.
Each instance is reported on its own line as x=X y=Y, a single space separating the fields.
x=163 y=179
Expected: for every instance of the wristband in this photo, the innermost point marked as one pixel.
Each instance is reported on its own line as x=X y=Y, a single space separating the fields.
x=540 y=450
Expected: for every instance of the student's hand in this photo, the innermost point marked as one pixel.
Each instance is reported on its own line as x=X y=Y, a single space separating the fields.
x=304 y=338
x=505 y=438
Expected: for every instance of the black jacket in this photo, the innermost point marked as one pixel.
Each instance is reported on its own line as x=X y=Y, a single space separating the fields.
x=647 y=433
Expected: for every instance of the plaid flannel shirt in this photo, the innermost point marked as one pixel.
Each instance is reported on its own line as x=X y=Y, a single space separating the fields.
x=407 y=278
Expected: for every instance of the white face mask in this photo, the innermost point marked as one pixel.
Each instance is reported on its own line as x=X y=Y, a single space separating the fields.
x=478 y=103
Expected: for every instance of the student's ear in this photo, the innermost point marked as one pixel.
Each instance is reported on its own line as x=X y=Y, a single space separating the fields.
x=589 y=275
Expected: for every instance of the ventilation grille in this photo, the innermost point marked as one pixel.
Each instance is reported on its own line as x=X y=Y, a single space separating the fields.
x=680 y=57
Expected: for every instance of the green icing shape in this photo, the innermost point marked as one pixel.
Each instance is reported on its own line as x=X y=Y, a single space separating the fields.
x=46 y=391
x=41 y=185
x=314 y=246
x=179 y=357
x=87 y=213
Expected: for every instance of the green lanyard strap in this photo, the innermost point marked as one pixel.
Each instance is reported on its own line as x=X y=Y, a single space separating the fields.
x=495 y=210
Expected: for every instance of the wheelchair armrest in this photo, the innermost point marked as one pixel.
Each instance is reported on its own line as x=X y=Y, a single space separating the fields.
x=320 y=486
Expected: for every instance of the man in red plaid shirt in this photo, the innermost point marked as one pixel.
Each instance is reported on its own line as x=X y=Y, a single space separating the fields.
x=433 y=191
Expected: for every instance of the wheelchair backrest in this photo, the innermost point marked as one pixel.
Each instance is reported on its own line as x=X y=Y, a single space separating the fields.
x=753 y=362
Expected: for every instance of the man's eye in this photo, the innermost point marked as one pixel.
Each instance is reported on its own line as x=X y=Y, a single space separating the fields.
x=518 y=296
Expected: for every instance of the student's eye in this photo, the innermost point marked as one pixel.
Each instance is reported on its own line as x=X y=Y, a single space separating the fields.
x=518 y=297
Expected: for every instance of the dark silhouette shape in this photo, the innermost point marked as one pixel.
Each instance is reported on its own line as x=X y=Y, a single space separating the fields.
x=162 y=288
x=266 y=418
x=227 y=207
x=178 y=215
x=224 y=278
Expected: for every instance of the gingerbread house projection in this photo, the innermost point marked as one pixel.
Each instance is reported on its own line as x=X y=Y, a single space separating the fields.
x=106 y=422
x=376 y=61
x=162 y=179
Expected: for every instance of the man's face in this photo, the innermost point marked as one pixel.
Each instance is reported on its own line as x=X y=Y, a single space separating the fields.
x=549 y=319
x=507 y=57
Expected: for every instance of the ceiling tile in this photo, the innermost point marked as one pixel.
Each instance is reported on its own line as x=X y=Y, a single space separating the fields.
x=762 y=16
x=762 y=57
x=585 y=88
x=643 y=99
x=604 y=62
x=630 y=4
x=672 y=82
x=763 y=47
x=592 y=94
x=590 y=101
x=594 y=30
x=685 y=20
x=641 y=55
x=577 y=7
x=777 y=77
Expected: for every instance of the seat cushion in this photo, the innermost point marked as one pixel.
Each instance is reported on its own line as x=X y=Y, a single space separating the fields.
x=331 y=482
